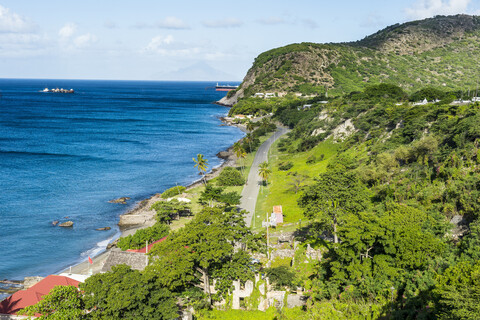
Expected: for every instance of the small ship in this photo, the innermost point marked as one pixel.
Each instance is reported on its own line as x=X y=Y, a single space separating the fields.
x=57 y=90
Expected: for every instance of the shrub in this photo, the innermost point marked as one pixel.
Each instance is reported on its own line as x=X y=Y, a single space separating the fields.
x=313 y=159
x=308 y=143
x=281 y=276
x=230 y=177
x=231 y=93
x=141 y=236
x=173 y=191
x=285 y=166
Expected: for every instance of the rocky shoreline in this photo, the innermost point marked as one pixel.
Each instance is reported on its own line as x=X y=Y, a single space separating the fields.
x=141 y=216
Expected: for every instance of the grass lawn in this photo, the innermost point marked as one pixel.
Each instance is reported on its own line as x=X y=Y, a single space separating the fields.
x=279 y=190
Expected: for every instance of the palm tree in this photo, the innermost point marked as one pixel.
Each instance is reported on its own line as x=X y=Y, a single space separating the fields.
x=202 y=165
x=250 y=126
x=237 y=149
x=249 y=138
x=265 y=122
x=240 y=153
x=264 y=172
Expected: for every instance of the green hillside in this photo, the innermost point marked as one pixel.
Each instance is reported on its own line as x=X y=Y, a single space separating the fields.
x=439 y=52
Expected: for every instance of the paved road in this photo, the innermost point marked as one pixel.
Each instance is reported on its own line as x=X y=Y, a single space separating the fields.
x=251 y=189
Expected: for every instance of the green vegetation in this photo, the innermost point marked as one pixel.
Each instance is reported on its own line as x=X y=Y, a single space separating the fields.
x=230 y=177
x=173 y=191
x=142 y=236
x=438 y=52
x=202 y=165
x=122 y=293
x=387 y=192
x=168 y=210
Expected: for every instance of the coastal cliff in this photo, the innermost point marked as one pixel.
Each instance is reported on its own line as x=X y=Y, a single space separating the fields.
x=438 y=52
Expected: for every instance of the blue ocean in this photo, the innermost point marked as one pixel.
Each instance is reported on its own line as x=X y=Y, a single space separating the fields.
x=64 y=156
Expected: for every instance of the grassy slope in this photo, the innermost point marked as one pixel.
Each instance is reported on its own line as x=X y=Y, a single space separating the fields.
x=278 y=190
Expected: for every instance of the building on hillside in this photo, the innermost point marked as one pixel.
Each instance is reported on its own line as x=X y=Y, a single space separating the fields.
x=275 y=218
x=278 y=214
x=305 y=107
x=24 y=298
x=421 y=103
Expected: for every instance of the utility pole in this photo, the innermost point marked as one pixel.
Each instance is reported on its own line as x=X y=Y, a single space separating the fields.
x=268 y=251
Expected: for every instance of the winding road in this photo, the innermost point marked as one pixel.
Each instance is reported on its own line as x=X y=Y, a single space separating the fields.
x=251 y=189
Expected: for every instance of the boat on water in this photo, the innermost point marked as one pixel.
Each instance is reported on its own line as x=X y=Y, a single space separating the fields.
x=57 y=90
x=227 y=87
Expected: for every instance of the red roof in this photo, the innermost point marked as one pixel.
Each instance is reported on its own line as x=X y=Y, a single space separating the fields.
x=32 y=295
x=277 y=209
x=149 y=246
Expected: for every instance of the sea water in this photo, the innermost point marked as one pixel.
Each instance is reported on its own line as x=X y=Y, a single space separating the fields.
x=64 y=156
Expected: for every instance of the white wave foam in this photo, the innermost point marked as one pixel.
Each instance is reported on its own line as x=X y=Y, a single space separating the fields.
x=100 y=247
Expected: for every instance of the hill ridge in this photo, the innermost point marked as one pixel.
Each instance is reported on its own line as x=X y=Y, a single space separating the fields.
x=438 y=52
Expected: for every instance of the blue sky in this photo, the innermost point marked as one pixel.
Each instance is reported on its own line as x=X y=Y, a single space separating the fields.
x=175 y=40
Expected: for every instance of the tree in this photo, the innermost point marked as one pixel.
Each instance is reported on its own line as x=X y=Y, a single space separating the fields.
x=124 y=293
x=211 y=194
x=202 y=165
x=281 y=276
x=142 y=236
x=240 y=153
x=265 y=122
x=166 y=210
x=334 y=194
x=63 y=302
x=249 y=139
x=458 y=291
x=471 y=242
x=230 y=177
x=206 y=244
x=250 y=126
x=297 y=182
x=264 y=172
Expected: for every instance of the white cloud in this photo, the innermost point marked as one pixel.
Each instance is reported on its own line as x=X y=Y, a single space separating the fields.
x=223 y=23
x=272 y=21
x=84 y=40
x=172 y=23
x=67 y=30
x=69 y=40
x=168 y=46
x=429 y=8
x=23 y=45
x=159 y=42
x=11 y=22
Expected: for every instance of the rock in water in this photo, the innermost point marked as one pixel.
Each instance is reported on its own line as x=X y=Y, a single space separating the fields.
x=103 y=229
x=66 y=224
x=55 y=222
x=122 y=200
